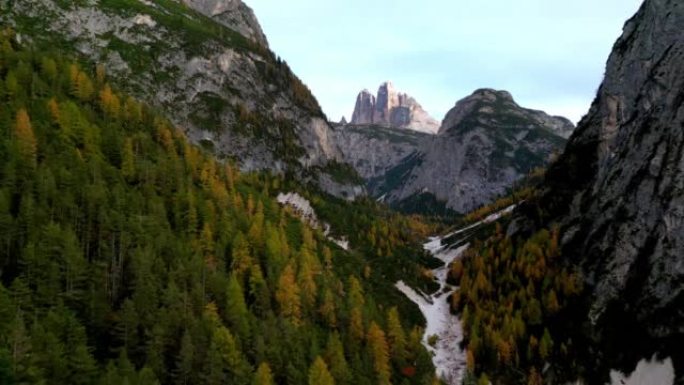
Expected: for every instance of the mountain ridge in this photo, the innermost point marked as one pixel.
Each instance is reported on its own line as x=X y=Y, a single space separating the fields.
x=486 y=143
x=226 y=90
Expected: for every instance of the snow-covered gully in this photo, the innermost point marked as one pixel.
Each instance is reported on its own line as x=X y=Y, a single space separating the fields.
x=443 y=329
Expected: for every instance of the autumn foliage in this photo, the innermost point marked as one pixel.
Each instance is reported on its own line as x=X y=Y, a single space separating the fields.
x=129 y=255
x=511 y=293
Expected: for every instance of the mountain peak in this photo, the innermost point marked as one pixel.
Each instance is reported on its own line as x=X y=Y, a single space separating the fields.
x=492 y=94
x=497 y=108
x=388 y=85
x=392 y=109
x=233 y=14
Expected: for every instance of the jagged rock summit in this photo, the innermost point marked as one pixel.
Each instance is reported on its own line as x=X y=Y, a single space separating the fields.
x=391 y=108
x=234 y=14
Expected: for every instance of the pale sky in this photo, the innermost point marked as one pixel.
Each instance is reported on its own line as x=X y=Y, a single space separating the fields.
x=550 y=54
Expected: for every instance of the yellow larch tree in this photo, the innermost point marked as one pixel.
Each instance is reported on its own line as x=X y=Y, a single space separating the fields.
x=25 y=139
x=288 y=297
x=379 y=351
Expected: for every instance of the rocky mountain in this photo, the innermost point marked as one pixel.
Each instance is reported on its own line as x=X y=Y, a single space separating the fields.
x=617 y=194
x=234 y=14
x=491 y=102
x=207 y=65
x=374 y=150
x=486 y=143
x=391 y=108
x=562 y=126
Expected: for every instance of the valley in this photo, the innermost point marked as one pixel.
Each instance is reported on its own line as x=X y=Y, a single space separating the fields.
x=177 y=208
x=443 y=333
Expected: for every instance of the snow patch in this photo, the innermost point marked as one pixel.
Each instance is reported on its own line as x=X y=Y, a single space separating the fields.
x=447 y=356
x=302 y=208
x=647 y=372
x=343 y=244
x=496 y=216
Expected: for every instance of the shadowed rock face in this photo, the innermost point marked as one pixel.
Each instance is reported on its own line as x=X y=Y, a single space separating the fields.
x=392 y=109
x=618 y=194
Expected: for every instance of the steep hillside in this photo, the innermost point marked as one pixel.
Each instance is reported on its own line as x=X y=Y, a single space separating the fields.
x=131 y=256
x=226 y=90
x=587 y=281
x=486 y=143
x=618 y=194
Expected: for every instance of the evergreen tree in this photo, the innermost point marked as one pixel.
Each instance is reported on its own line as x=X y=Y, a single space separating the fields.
x=319 y=374
x=305 y=279
x=242 y=259
x=263 y=375
x=396 y=336
x=128 y=160
x=184 y=361
x=356 y=328
x=259 y=291
x=379 y=351
x=236 y=308
x=334 y=356
x=225 y=361
x=327 y=309
x=25 y=139
x=288 y=297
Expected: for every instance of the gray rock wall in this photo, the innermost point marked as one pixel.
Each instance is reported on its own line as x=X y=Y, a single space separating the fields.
x=618 y=194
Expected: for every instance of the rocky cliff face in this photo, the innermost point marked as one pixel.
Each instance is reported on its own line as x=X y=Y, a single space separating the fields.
x=392 y=109
x=618 y=195
x=374 y=150
x=234 y=14
x=486 y=143
x=212 y=75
